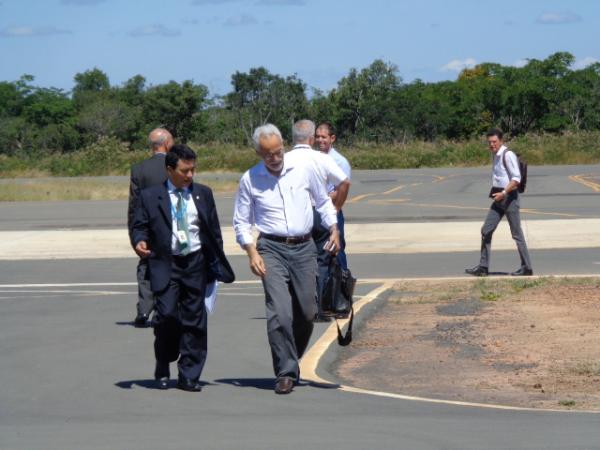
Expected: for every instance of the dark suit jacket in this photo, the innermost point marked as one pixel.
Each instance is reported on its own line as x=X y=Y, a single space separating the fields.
x=150 y=172
x=153 y=223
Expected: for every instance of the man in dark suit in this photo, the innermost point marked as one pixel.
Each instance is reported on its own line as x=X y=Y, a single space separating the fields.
x=177 y=228
x=149 y=172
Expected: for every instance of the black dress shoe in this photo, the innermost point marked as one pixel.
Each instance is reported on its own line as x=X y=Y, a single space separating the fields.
x=284 y=385
x=522 y=272
x=163 y=383
x=161 y=370
x=478 y=271
x=140 y=321
x=185 y=384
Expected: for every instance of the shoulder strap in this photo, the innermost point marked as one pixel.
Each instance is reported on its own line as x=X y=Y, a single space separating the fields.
x=504 y=164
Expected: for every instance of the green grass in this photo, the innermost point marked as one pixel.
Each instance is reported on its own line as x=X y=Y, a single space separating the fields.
x=567 y=403
x=110 y=157
x=484 y=289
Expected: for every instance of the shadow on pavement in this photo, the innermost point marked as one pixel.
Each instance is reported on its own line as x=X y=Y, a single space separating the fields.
x=132 y=324
x=269 y=383
x=152 y=384
x=257 y=383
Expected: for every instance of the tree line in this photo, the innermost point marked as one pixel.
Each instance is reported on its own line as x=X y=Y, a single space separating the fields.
x=372 y=104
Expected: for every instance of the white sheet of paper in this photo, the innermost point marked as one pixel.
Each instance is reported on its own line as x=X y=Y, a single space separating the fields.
x=210 y=298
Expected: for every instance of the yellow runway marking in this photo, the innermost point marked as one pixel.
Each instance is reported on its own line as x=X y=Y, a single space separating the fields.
x=478 y=208
x=582 y=180
x=389 y=201
x=397 y=188
x=358 y=198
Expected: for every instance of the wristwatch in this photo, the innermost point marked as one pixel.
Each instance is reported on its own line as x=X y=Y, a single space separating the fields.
x=504 y=192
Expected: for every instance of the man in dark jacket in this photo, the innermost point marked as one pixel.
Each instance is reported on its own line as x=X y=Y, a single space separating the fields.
x=149 y=172
x=177 y=228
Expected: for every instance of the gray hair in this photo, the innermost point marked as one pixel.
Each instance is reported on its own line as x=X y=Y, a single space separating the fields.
x=158 y=137
x=266 y=130
x=302 y=131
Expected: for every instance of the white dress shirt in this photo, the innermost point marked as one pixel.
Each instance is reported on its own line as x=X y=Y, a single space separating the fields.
x=280 y=205
x=192 y=219
x=324 y=165
x=342 y=163
x=500 y=176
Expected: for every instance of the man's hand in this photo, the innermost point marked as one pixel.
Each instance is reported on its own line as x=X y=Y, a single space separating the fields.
x=498 y=196
x=341 y=194
x=142 y=249
x=257 y=264
x=333 y=244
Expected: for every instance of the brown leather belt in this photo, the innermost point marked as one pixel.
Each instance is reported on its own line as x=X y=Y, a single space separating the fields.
x=290 y=240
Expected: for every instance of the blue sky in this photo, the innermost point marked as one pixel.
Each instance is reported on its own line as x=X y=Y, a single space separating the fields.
x=319 y=40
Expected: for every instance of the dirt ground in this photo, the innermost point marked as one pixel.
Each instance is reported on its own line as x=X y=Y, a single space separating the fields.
x=519 y=342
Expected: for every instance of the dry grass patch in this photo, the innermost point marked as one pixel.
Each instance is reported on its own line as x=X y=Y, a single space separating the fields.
x=524 y=342
x=84 y=188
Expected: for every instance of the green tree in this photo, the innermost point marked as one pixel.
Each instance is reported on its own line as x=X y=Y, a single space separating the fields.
x=89 y=85
x=364 y=102
x=175 y=106
x=259 y=97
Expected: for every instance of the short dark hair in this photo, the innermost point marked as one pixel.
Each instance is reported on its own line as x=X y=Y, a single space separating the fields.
x=327 y=124
x=495 y=132
x=177 y=152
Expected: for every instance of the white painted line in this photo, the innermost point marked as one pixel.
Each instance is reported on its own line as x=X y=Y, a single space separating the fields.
x=41 y=285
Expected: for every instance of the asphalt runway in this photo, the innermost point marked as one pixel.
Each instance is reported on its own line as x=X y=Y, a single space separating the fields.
x=414 y=195
x=76 y=375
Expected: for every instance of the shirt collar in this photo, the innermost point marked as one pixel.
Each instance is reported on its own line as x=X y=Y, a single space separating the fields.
x=171 y=188
x=305 y=146
x=501 y=150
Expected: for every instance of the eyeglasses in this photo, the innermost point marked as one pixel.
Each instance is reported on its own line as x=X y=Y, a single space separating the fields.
x=272 y=156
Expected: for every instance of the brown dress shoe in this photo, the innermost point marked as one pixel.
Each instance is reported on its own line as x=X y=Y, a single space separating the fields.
x=284 y=385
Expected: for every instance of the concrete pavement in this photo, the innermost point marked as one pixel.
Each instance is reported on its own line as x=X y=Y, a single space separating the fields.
x=380 y=238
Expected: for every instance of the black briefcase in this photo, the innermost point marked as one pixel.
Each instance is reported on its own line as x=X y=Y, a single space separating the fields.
x=336 y=300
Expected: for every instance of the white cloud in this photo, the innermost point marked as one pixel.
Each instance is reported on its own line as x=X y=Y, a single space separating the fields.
x=457 y=65
x=25 y=31
x=154 y=30
x=240 y=20
x=558 y=18
x=583 y=63
x=521 y=63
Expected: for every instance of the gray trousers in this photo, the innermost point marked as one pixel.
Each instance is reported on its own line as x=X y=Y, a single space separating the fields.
x=145 y=303
x=290 y=288
x=509 y=207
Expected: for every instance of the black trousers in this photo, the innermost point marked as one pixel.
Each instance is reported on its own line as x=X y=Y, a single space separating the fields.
x=180 y=319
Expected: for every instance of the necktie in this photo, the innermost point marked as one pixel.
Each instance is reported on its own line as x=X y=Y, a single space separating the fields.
x=182 y=224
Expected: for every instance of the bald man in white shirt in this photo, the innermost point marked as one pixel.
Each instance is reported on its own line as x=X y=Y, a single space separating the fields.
x=506 y=177
x=275 y=197
x=337 y=184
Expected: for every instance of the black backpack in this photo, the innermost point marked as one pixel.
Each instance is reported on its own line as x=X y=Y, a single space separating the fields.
x=522 y=169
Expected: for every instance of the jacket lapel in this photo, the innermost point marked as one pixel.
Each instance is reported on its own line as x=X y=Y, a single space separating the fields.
x=164 y=205
x=200 y=207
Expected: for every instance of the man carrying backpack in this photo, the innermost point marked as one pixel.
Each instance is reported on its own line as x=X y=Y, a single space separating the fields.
x=506 y=180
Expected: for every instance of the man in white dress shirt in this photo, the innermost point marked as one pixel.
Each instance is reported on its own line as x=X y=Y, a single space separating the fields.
x=275 y=197
x=337 y=184
x=324 y=140
x=506 y=177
